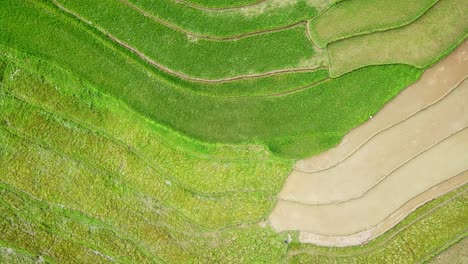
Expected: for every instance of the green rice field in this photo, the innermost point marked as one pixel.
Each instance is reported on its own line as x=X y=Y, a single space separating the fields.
x=139 y=131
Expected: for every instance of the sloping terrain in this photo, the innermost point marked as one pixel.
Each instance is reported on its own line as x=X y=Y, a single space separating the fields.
x=138 y=131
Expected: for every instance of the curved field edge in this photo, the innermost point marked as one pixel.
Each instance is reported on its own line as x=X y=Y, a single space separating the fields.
x=412 y=240
x=178 y=54
x=220 y=5
x=258 y=120
x=268 y=84
x=363 y=29
x=320 y=183
x=453 y=65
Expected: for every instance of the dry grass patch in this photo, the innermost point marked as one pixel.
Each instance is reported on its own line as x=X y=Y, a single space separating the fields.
x=419 y=44
x=351 y=18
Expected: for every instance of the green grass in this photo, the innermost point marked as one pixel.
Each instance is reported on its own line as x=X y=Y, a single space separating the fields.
x=356 y=17
x=332 y=107
x=420 y=43
x=270 y=15
x=201 y=58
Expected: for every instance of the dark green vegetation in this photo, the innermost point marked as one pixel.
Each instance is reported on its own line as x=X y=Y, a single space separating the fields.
x=124 y=138
x=299 y=119
x=198 y=57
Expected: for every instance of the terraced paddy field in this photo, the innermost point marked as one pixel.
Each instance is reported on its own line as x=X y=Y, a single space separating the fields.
x=234 y=131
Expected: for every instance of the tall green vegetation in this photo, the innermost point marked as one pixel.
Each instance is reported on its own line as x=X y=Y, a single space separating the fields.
x=202 y=58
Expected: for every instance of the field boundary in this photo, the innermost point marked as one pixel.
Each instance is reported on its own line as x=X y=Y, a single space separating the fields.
x=383 y=178
x=173 y=72
x=394 y=233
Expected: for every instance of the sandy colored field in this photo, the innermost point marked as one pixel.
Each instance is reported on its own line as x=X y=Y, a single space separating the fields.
x=435 y=83
x=371 y=233
x=418 y=44
x=382 y=155
x=440 y=163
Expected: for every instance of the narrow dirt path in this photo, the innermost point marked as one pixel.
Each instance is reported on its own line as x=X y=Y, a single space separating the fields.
x=208 y=37
x=204 y=8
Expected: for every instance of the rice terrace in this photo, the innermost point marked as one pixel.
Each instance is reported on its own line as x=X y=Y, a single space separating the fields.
x=234 y=131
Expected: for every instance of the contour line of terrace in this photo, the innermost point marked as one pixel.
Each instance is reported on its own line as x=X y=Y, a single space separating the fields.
x=175 y=73
x=208 y=37
x=371 y=31
x=446 y=118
